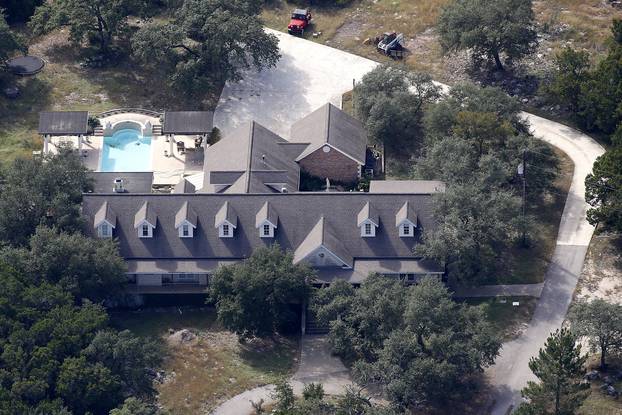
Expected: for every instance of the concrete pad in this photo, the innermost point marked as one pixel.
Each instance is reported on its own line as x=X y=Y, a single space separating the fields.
x=307 y=76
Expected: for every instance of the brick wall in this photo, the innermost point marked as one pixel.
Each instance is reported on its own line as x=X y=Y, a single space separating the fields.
x=334 y=165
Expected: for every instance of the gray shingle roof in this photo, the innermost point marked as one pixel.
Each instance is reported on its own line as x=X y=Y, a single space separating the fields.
x=138 y=182
x=184 y=186
x=63 y=122
x=105 y=213
x=322 y=235
x=330 y=125
x=407 y=186
x=252 y=159
x=145 y=213
x=185 y=213
x=298 y=214
x=188 y=122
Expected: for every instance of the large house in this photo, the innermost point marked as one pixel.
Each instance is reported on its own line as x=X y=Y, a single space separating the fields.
x=247 y=196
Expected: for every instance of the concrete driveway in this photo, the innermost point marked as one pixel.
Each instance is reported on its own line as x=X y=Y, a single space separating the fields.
x=511 y=371
x=307 y=76
x=310 y=74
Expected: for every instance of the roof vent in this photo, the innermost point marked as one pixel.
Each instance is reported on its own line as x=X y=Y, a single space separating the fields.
x=284 y=190
x=118 y=186
x=263 y=159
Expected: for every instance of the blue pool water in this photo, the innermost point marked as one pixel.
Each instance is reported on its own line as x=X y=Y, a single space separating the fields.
x=126 y=150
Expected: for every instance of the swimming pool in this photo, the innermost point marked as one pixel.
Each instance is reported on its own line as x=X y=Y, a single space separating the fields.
x=126 y=150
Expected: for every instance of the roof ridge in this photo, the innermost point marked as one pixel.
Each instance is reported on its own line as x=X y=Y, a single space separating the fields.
x=328 y=122
x=249 y=159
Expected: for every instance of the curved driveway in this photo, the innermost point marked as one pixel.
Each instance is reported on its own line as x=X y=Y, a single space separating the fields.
x=310 y=74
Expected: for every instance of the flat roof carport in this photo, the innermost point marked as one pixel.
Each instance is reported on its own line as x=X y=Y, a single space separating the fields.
x=188 y=122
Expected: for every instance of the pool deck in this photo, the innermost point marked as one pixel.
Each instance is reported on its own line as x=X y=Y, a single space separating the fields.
x=168 y=170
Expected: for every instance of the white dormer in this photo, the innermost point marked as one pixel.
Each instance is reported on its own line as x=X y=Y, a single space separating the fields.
x=406 y=220
x=266 y=221
x=104 y=230
x=105 y=221
x=368 y=221
x=225 y=230
x=145 y=230
x=145 y=221
x=185 y=221
x=226 y=221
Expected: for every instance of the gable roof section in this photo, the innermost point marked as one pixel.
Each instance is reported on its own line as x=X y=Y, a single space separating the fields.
x=330 y=125
x=145 y=214
x=226 y=214
x=252 y=159
x=184 y=186
x=266 y=213
x=322 y=235
x=368 y=213
x=105 y=213
x=406 y=213
x=188 y=122
x=63 y=122
x=187 y=214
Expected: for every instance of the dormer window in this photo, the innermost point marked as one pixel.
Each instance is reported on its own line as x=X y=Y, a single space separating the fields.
x=266 y=231
x=185 y=221
x=104 y=230
x=368 y=229
x=407 y=230
x=225 y=231
x=185 y=231
x=145 y=221
x=145 y=231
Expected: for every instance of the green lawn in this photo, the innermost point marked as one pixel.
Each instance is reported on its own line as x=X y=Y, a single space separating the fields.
x=212 y=369
x=507 y=319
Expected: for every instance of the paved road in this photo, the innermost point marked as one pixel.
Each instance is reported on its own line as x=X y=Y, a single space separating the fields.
x=316 y=365
x=511 y=372
x=311 y=74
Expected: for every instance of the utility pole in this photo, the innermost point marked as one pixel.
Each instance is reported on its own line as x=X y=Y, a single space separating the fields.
x=522 y=171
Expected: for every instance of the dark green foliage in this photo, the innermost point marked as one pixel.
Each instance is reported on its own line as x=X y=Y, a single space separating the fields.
x=259 y=296
x=416 y=343
x=133 y=406
x=208 y=42
x=284 y=396
x=489 y=27
x=601 y=323
x=9 y=41
x=42 y=191
x=85 y=267
x=572 y=73
x=313 y=391
x=475 y=140
x=603 y=191
x=559 y=368
x=19 y=11
x=389 y=101
x=97 y=22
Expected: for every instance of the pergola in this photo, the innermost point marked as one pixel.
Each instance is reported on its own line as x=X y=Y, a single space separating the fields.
x=187 y=123
x=63 y=123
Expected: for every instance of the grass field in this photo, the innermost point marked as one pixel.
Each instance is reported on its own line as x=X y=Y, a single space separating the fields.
x=507 y=320
x=203 y=373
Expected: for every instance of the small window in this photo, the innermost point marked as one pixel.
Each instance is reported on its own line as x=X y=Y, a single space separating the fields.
x=266 y=229
x=368 y=229
x=105 y=232
x=225 y=229
x=184 y=230
x=145 y=230
x=406 y=229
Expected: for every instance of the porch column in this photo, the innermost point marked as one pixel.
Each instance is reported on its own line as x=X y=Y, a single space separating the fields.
x=172 y=144
x=46 y=143
x=80 y=144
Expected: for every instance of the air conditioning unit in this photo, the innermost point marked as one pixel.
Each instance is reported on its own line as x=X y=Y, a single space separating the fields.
x=118 y=186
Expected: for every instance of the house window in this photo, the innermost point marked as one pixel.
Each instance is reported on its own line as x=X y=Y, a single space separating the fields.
x=184 y=230
x=267 y=231
x=145 y=230
x=225 y=229
x=104 y=230
x=368 y=229
x=407 y=230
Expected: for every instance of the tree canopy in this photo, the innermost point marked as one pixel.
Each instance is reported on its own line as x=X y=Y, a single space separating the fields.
x=489 y=28
x=42 y=191
x=261 y=295
x=208 y=42
x=603 y=190
x=559 y=368
x=601 y=323
x=475 y=140
x=389 y=101
x=19 y=10
x=9 y=41
x=96 y=22
x=422 y=348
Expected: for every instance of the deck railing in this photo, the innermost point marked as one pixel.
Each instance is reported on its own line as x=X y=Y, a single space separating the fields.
x=129 y=110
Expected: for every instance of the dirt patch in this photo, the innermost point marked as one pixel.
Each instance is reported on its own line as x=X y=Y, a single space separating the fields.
x=601 y=276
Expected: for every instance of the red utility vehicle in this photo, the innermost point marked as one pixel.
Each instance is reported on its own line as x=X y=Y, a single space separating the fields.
x=301 y=18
